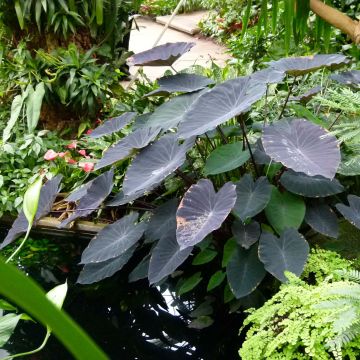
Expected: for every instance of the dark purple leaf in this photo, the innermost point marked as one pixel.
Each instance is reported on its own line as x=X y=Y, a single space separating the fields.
x=305 y=64
x=98 y=191
x=303 y=147
x=48 y=195
x=162 y=55
x=268 y=76
x=244 y=271
x=220 y=104
x=92 y=273
x=152 y=165
x=113 y=125
x=351 y=78
x=352 y=212
x=121 y=199
x=246 y=235
x=287 y=253
x=202 y=211
x=252 y=197
x=260 y=155
x=186 y=83
x=163 y=222
x=114 y=239
x=310 y=186
x=171 y=113
x=166 y=258
x=124 y=148
x=307 y=96
x=78 y=193
x=322 y=219
x=141 y=270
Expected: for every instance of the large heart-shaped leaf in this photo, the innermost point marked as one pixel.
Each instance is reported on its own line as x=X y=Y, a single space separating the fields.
x=322 y=219
x=124 y=148
x=154 y=164
x=181 y=83
x=79 y=192
x=268 y=76
x=244 y=271
x=310 y=186
x=121 y=199
x=48 y=195
x=141 y=270
x=351 y=78
x=246 y=235
x=252 y=197
x=307 y=96
x=162 y=55
x=163 y=222
x=113 y=125
x=202 y=211
x=287 y=253
x=305 y=64
x=166 y=257
x=352 y=212
x=171 y=113
x=114 y=239
x=95 y=272
x=303 y=147
x=285 y=210
x=95 y=195
x=219 y=105
x=225 y=158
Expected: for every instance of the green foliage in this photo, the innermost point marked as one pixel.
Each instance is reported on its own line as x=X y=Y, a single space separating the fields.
x=166 y=7
x=306 y=321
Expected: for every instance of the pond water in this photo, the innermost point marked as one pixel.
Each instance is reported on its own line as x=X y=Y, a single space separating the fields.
x=128 y=320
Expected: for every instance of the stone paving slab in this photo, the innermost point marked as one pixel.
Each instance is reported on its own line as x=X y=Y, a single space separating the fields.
x=202 y=53
x=187 y=23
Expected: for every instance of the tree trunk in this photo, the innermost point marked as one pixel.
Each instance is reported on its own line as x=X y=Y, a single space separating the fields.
x=337 y=19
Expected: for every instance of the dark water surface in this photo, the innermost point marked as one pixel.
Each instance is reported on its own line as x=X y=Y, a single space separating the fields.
x=129 y=321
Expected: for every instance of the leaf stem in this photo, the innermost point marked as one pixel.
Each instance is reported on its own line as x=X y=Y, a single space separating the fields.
x=20 y=246
x=290 y=87
x=222 y=135
x=242 y=125
x=208 y=139
x=187 y=179
x=48 y=333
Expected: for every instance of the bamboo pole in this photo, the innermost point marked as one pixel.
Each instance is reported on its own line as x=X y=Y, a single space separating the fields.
x=337 y=19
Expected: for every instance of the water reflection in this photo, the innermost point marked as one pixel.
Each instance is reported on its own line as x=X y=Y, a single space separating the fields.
x=131 y=321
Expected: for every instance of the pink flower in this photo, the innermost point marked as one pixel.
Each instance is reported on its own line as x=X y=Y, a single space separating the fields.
x=82 y=152
x=89 y=132
x=50 y=155
x=87 y=166
x=62 y=154
x=72 y=145
x=71 y=161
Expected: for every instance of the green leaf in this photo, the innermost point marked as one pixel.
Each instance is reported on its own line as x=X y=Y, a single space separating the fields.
x=229 y=248
x=29 y=296
x=33 y=106
x=57 y=295
x=99 y=12
x=15 y=112
x=303 y=112
x=226 y=158
x=19 y=14
x=215 y=280
x=190 y=283
x=8 y=324
x=4 y=305
x=31 y=200
x=285 y=210
x=204 y=257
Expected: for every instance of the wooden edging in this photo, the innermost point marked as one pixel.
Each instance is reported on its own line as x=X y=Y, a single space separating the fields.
x=49 y=226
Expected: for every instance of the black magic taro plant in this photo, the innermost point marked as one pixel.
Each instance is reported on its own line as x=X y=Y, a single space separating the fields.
x=244 y=212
